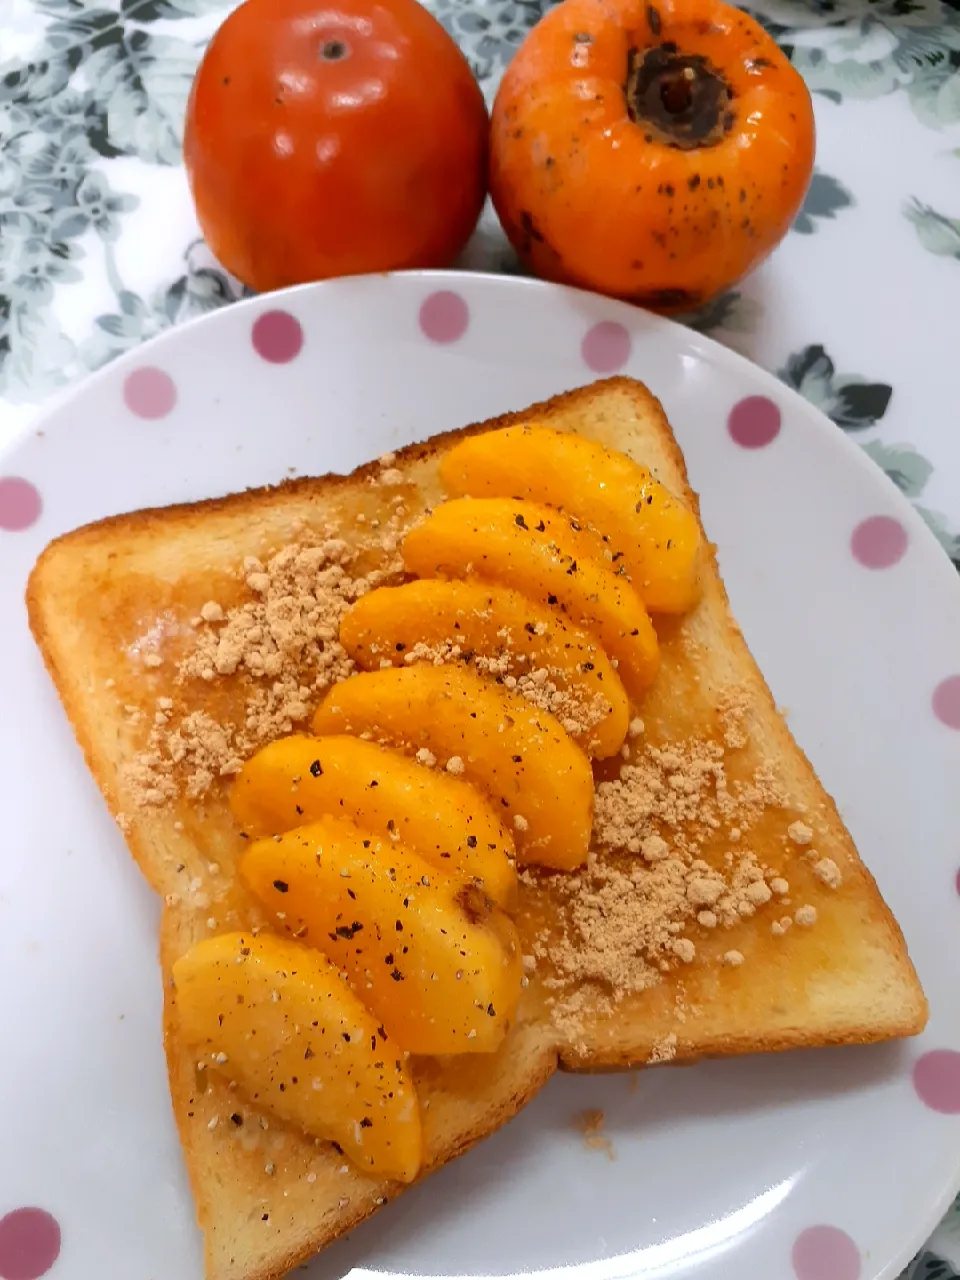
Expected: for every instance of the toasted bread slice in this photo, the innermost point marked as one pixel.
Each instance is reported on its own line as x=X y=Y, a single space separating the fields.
x=116 y=606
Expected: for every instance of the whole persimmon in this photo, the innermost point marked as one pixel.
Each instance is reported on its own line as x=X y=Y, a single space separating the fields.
x=325 y=140
x=652 y=151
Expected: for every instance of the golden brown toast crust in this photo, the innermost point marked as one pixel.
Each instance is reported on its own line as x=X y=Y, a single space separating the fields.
x=268 y=1197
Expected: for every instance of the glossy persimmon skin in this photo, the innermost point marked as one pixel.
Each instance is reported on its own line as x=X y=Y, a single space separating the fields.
x=332 y=140
x=592 y=196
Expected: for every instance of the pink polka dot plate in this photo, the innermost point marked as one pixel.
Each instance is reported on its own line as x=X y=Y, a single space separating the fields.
x=826 y=1165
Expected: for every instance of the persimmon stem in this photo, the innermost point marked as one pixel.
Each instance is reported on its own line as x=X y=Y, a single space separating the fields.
x=675 y=95
x=679 y=98
x=334 y=50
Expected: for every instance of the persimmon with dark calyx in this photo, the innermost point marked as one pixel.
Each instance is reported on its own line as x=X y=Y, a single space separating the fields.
x=334 y=140
x=656 y=152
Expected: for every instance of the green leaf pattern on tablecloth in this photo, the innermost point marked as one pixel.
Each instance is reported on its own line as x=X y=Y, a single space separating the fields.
x=902 y=464
x=936 y=232
x=825 y=198
x=857 y=49
x=141 y=83
x=489 y=34
x=850 y=401
x=947 y=1235
x=930 y=1265
x=102 y=85
x=201 y=288
x=855 y=404
x=728 y=314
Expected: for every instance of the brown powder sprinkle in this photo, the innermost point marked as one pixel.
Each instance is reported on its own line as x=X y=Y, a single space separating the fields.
x=799 y=833
x=282 y=644
x=627 y=922
x=577 y=714
x=828 y=873
x=676 y=786
x=591 y=1125
x=732 y=708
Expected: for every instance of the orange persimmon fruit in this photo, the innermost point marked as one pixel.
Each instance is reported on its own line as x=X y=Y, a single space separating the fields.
x=333 y=140
x=655 y=152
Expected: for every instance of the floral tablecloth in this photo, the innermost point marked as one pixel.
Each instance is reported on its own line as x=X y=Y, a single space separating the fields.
x=859 y=310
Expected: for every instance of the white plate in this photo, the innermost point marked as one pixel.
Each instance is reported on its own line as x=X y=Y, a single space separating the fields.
x=826 y=1166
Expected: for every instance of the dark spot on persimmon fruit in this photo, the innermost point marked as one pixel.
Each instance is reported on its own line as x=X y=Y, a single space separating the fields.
x=530 y=228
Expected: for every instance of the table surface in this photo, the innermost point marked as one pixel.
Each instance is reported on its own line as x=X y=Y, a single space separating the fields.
x=99 y=248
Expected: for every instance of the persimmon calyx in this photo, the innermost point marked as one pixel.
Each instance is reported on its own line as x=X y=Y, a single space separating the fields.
x=681 y=99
